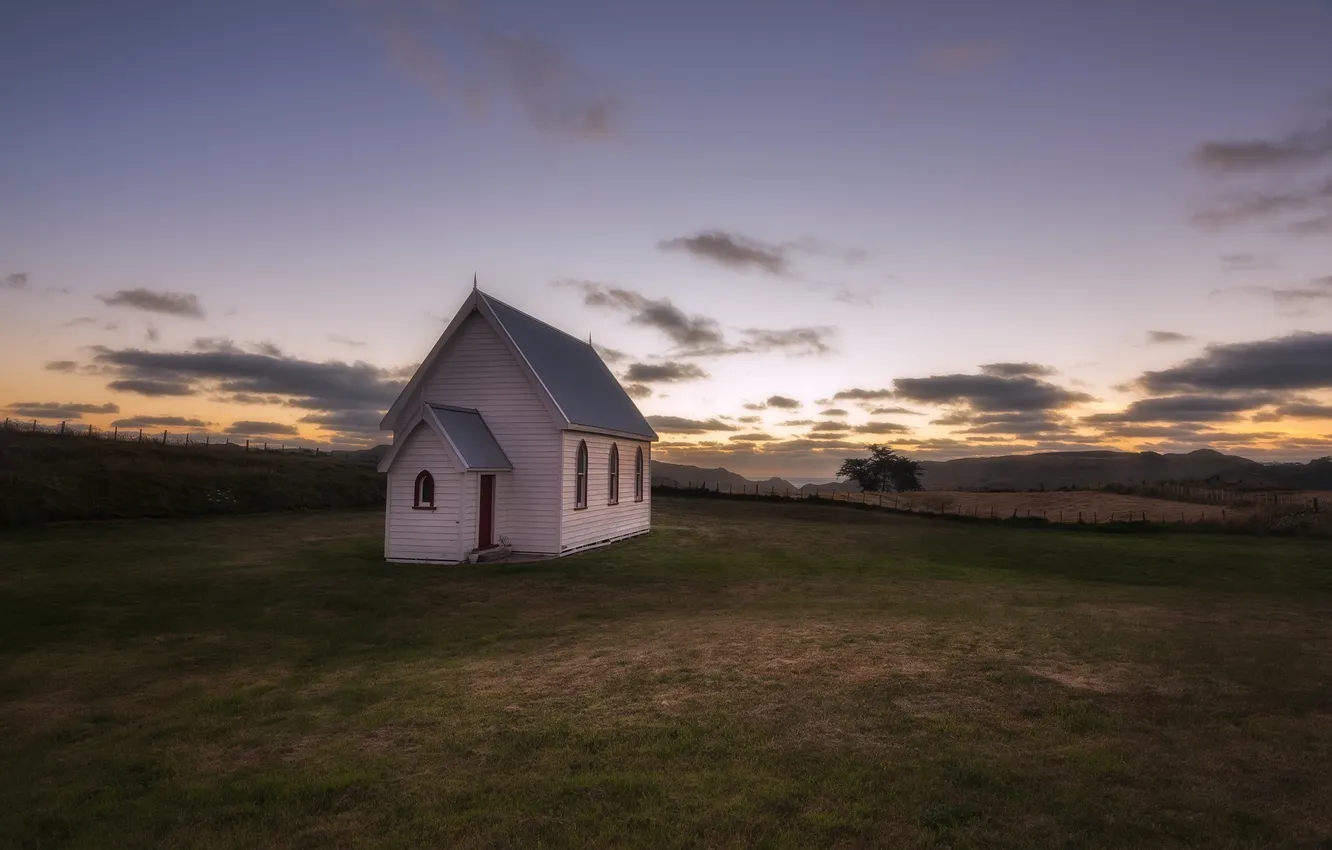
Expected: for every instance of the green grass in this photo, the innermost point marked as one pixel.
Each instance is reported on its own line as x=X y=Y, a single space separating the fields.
x=749 y=675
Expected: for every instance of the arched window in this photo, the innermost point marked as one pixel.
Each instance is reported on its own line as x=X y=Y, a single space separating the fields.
x=638 y=475
x=613 y=476
x=580 y=477
x=424 y=494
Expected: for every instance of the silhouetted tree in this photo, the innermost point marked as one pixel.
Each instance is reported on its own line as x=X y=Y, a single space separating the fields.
x=883 y=471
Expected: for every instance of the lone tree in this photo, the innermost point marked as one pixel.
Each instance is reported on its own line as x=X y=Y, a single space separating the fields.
x=883 y=471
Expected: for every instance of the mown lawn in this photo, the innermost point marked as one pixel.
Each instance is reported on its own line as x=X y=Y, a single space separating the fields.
x=750 y=675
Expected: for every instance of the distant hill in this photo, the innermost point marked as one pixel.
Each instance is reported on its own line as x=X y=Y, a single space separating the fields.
x=1053 y=470
x=681 y=475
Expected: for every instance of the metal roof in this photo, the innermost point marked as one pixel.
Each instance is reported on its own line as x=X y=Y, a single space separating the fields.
x=580 y=383
x=470 y=437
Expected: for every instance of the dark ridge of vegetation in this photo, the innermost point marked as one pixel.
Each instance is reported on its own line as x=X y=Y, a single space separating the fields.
x=47 y=478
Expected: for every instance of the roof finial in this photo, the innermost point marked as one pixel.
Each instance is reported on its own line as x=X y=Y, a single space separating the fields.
x=589 y=337
x=473 y=281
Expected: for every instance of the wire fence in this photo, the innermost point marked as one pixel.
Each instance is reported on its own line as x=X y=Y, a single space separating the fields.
x=164 y=437
x=1085 y=510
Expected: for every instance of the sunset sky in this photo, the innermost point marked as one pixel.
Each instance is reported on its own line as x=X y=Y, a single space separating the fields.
x=959 y=227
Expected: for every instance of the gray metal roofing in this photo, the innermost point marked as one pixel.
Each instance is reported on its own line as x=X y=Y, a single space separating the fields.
x=471 y=437
x=574 y=373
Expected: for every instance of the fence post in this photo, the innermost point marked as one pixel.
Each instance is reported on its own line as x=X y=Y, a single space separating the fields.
x=62 y=427
x=187 y=438
x=115 y=432
x=140 y=435
x=164 y=437
x=205 y=440
x=1079 y=517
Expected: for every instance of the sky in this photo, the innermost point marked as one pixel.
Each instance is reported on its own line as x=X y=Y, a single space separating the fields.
x=792 y=227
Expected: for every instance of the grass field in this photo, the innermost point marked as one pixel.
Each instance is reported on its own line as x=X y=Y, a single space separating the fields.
x=749 y=675
x=1070 y=505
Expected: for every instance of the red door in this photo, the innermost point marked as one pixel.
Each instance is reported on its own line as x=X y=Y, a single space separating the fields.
x=485 y=527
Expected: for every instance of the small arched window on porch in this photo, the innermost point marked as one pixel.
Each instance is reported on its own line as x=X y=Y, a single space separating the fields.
x=638 y=475
x=580 y=477
x=424 y=494
x=613 y=476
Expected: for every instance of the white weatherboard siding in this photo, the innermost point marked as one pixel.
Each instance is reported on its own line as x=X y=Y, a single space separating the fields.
x=600 y=522
x=479 y=371
x=416 y=535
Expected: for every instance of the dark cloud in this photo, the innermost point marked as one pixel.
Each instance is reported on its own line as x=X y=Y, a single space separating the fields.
x=685 y=331
x=830 y=426
x=890 y=411
x=268 y=348
x=350 y=423
x=682 y=425
x=357 y=391
x=1188 y=408
x=160 y=422
x=782 y=402
x=1166 y=337
x=1017 y=370
x=880 y=428
x=750 y=420
x=1027 y=424
x=1301 y=361
x=149 y=387
x=18 y=280
x=1296 y=410
x=638 y=390
x=988 y=392
x=171 y=303
x=58 y=409
x=151 y=333
x=668 y=372
x=1303 y=147
x=757 y=437
x=795 y=423
x=733 y=250
x=833 y=411
x=62 y=366
x=857 y=394
x=697 y=335
x=610 y=355
x=252 y=428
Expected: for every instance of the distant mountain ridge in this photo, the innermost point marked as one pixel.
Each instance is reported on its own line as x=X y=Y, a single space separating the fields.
x=1051 y=471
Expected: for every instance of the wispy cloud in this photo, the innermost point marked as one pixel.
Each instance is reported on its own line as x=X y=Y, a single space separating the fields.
x=1167 y=337
x=170 y=303
x=161 y=422
x=459 y=53
x=684 y=425
x=18 y=280
x=58 y=410
x=962 y=55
